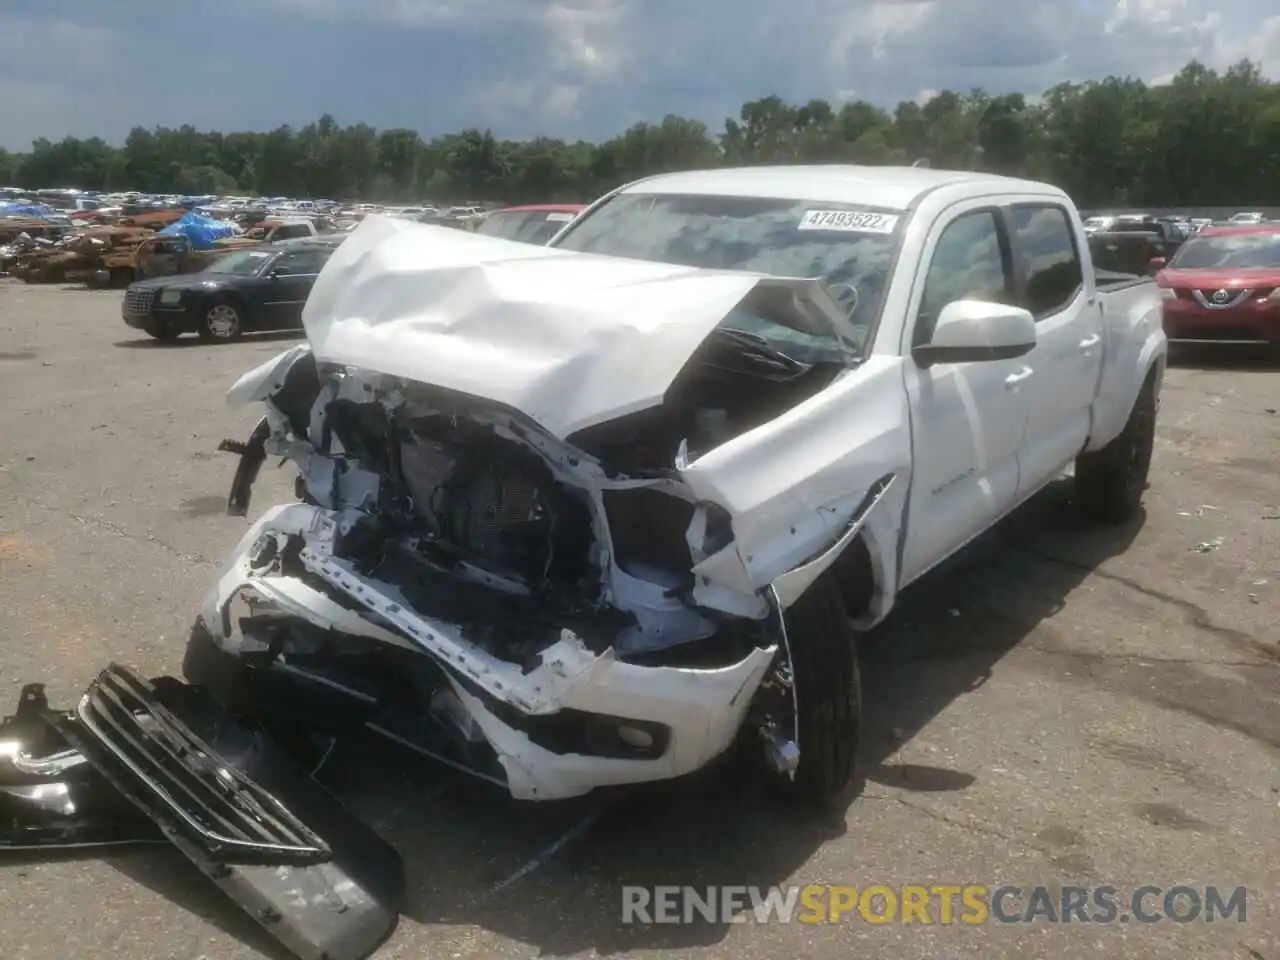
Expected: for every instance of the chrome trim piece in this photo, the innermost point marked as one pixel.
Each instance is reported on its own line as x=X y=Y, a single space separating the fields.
x=1220 y=299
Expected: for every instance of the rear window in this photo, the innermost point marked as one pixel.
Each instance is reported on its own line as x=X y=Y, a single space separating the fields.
x=1241 y=251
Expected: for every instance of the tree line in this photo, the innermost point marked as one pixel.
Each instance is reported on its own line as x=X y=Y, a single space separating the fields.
x=1205 y=139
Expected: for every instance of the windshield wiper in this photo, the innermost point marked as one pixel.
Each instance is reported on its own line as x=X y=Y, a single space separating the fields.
x=761 y=348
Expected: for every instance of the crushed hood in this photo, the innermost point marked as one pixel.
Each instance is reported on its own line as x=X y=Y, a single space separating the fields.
x=569 y=339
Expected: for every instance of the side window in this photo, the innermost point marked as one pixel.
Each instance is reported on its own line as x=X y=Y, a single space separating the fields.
x=299 y=262
x=1045 y=251
x=968 y=264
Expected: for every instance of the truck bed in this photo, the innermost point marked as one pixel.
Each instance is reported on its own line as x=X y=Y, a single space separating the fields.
x=1111 y=281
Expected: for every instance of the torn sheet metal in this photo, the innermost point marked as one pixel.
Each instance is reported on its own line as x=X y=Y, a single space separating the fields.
x=793 y=485
x=570 y=339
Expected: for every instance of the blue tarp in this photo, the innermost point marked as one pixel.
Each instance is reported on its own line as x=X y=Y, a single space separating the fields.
x=201 y=232
x=25 y=210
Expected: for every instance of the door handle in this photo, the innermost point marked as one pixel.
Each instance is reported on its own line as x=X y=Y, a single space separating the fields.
x=1089 y=342
x=1013 y=379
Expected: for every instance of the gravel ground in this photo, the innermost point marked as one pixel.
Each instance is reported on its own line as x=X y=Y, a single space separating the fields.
x=1063 y=705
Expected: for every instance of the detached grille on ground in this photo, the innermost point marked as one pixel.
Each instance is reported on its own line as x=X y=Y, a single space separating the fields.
x=226 y=813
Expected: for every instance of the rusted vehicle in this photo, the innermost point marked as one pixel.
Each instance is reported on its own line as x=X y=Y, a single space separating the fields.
x=159 y=256
x=77 y=258
x=13 y=227
x=154 y=219
x=114 y=260
x=47 y=265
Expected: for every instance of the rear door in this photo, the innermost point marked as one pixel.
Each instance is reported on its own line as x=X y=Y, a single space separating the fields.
x=292 y=276
x=967 y=419
x=1067 y=359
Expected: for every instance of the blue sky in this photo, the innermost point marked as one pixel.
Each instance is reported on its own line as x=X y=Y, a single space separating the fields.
x=571 y=68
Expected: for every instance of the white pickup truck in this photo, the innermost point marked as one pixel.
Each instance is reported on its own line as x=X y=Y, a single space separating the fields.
x=626 y=500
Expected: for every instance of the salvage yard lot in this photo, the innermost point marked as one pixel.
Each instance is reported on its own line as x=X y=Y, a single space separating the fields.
x=1062 y=706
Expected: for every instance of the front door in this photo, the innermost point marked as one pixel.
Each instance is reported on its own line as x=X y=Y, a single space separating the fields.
x=1067 y=359
x=968 y=419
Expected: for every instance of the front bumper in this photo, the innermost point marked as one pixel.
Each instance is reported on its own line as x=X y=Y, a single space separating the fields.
x=1253 y=320
x=702 y=710
x=175 y=318
x=145 y=309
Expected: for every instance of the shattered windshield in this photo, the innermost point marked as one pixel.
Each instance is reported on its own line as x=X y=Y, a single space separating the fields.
x=850 y=248
x=1238 y=251
x=246 y=263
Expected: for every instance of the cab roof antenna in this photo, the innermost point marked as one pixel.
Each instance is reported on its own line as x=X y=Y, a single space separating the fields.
x=923 y=162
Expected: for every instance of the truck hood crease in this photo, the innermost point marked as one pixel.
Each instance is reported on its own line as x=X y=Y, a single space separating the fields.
x=569 y=339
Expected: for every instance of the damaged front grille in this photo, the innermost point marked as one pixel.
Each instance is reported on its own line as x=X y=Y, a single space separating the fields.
x=230 y=816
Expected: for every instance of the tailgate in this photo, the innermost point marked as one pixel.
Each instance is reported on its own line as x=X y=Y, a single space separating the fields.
x=254 y=822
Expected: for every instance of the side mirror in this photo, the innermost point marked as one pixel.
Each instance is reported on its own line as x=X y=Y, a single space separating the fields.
x=972 y=331
x=1156 y=264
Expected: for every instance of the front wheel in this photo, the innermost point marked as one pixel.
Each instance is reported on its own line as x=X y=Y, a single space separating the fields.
x=221 y=321
x=1109 y=482
x=826 y=697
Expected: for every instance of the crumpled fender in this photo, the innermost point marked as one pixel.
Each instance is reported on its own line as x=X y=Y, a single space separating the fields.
x=266 y=378
x=799 y=489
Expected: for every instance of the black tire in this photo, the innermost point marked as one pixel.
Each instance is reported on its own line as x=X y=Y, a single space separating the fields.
x=221 y=321
x=828 y=696
x=1109 y=483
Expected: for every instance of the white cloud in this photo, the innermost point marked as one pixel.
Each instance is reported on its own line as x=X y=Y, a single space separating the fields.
x=588 y=37
x=584 y=67
x=408 y=12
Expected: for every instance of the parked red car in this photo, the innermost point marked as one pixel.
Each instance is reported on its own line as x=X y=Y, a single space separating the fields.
x=536 y=223
x=1223 y=285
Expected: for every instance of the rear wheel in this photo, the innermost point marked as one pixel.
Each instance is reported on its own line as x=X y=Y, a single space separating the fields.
x=825 y=696
x=1110 y=482
x=221 y=321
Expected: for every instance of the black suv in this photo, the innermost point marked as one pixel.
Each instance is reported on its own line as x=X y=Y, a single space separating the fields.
x=258 y=288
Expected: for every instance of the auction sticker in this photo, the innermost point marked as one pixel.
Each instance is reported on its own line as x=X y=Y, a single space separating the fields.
x=849 y=221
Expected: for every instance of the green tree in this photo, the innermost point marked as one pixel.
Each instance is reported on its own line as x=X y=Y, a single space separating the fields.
x=1206 y=138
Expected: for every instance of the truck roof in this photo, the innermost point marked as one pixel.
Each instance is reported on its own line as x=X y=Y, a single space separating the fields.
x=893 y=187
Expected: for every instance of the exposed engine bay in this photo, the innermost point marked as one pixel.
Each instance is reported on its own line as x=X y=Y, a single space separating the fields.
x=474 y=515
